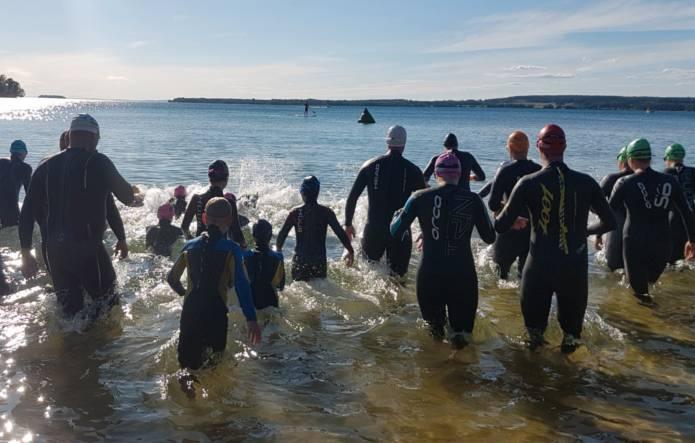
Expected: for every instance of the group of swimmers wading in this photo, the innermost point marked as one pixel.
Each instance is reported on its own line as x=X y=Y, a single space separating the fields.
x=541 y=212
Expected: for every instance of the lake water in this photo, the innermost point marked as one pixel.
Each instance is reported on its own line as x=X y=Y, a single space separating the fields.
x=346 y=359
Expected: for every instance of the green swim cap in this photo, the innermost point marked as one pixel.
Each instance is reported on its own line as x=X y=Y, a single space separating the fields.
x=674 y=152
x=622 y=155
x=639 y=149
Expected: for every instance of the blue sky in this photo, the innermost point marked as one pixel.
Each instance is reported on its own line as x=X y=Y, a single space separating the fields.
x=357 y=49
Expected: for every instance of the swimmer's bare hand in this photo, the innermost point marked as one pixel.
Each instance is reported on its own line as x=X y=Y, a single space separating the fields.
x=254 y=332
x=689 y=252
x=29 y=265
x=520 y=223
x=420 y=243
x=598 y=243
x=349 y=258
x=121 y=249
x=350 y=231
x=473 y=178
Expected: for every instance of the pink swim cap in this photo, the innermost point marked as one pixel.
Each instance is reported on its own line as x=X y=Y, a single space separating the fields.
x=447 y=165
x=179 y=191
x=166 y=212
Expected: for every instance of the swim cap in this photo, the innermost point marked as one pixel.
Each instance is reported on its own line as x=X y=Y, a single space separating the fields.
x=674 y=152
x=180 y=191
x=622 y=155
x=310 y=187
x=518 y=142
x=447 y=165
x=18 y=147
x=551 y=139
x=218 y=208
x=84 y=122
x=262 y=231
x=639 y=149
x=396 y=137
x=165 y=212
x=450 y=141
x=218 y=171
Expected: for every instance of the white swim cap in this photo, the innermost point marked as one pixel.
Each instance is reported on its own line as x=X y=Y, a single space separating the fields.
x=396 y=136
x=86 y=123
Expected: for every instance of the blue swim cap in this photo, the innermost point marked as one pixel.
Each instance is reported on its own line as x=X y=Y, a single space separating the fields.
x=18 y=147
x=310 y=186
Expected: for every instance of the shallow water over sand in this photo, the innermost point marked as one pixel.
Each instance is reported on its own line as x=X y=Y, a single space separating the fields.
x=346 y=359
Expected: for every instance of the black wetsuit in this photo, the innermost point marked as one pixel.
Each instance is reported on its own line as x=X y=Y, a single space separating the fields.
x=468 y=164
x=558 y=201
x=686 y=178
x=70 y=190
x=161 y=238
x=647 y=198
x=196 y=208
x=310 y=222
x=180 y=206
x=213 y=264
x=266 y=271
x=613 y=240
x=390 y=179
x=446 y=277
x=511 y=245
x=14 y=174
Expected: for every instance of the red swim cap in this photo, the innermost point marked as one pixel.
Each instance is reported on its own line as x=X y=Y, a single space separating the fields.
x=551 y=139
x=166 y=212
x=180 y=191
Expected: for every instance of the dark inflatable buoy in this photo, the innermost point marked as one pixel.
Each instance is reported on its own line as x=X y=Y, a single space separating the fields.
x=366 y=117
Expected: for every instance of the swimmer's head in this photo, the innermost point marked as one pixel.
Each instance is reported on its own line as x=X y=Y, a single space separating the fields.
x=396 y=138
x=639 y=154
x=180 y=191
x=551 y=142
x=447 y=168
x=166 y=212
x=84 y=132
x=262 y=232
x=310 y=189
x=622 y=157
x=18 y=150
x=64 y=141
x=674 y=154
x=218 y=212
x=518 y=144
x=218 y=173
x=450 y=141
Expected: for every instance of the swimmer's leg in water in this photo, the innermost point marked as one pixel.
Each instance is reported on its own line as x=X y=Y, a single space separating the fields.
x=536 y=299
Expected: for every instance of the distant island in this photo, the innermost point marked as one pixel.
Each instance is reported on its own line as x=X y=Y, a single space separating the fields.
x=51 y=96
x=600 y=102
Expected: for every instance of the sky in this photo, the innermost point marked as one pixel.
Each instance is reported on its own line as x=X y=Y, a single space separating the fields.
x=357 y=49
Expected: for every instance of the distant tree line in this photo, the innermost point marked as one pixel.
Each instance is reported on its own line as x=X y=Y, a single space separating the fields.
x=602 y=102
x=10 y=87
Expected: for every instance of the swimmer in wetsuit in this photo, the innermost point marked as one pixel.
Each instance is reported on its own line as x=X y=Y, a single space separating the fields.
x=390 y=179
x=673 y=157
x=647 y=197
x=468 y=163
x=558 y=201
x=14 y=174
x=72 y=187
x=310 y=222
x=447 y=283
x=266 y=268
x=160 y=238
x=613 y=244
x=218 y=174
x=514 y=244
x=213 y=264
x=180 y=202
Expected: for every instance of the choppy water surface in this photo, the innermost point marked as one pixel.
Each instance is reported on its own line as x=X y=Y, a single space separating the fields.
x=346 y=359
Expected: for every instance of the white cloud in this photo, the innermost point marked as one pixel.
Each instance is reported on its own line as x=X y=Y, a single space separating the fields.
x=526 y=68
x=139 y=44
x=543 y=28
x=116 y=78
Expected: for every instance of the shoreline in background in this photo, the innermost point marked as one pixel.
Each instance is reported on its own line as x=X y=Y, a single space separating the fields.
x=596 y=102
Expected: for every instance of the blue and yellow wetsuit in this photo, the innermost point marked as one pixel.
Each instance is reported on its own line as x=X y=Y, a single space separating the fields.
x=214 y=264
